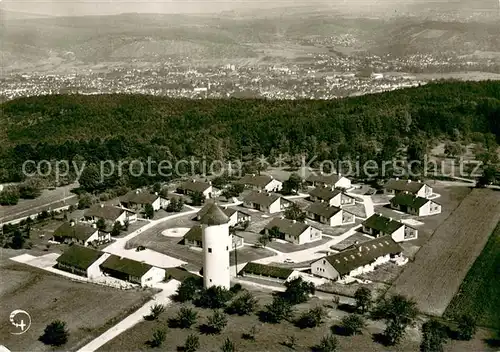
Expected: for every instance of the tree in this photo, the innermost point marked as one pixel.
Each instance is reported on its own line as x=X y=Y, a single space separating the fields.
x=149 y=212
x=298 y=290
x=228 y=346
x=186 y=318
x=273 y=232
x=192 y=343
x=292 y=185
x=101 y=224
x=55 y=334
x=466 y=327
x=215 y=297
x=117 y=227
x=398 y=312
x=352 y=324
x=312 y=318
x=9 y=195
x=197 y=198
x=159 y=336
x=157 y=187
x=85 y=200
x=18 y=240
x=328 y=343
x=216 y=322
x=156 y=310
x=264 y=240
x=294 y=212
x=188 y=289
x=278 y=310
x=90 y=178
x=363 y=297
x=453 y=149
x=176 y=204
x=488 y=176
x=243 y=305
x=126 y=224
x=433 y=336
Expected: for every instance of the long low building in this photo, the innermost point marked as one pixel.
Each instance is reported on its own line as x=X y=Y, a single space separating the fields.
x=331 y=215
x=80 y=233
x=415 y=205
x=269 y=272
x=132 y=271
x=81 y=261
x=359 y=259
x=266 y=202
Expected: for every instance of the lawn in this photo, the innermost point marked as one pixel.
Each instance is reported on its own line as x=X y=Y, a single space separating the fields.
x=87 y=309
x=479 y=293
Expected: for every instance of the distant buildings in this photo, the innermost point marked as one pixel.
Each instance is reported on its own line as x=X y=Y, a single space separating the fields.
x=266 y=202
x=293 y=231
x=261 y=183
x=269 y=272
x=193 y=186
x=397 y=186
x=138 y=199
x=331 y=181
x=330 y=196
x=110 y=214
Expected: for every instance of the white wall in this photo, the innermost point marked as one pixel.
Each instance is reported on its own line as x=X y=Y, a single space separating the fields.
x=399 y=234
x=153 y=276
x=233 y=220
x=275 y=207
x=93 y=237
x=274 y=186
x=323 y=268
x=344 y=182
x=216 y=246
x=207 y=192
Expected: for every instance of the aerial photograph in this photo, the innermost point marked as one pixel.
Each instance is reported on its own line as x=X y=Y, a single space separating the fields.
x=250 y=175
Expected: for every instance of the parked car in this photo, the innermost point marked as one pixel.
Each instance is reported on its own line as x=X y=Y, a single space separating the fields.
x=288 y=261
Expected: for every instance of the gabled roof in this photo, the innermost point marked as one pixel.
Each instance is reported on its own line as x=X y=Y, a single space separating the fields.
x=139 y=197
x=261 y=198
x=79 y=257
x=104 y=211
x=256 y=180
x=266 y=270
x=324 y=193
x=195 y=186
x=79 y=231
x=214 y=216
x=381 y=223
x=330 y=180
x=126 y=266
x=323 y=209
x=194 y=234
x=362 y=254
x=288 y=226
x=409 y=200
x=404 y=185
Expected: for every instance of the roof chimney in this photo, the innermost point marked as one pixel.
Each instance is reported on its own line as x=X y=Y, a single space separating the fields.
x=253 y=175
x=94 y=226
x=194 y=180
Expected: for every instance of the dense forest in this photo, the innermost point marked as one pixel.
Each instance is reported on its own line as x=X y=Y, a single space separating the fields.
x=116 y=127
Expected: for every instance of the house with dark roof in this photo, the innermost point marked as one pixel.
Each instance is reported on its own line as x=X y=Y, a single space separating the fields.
x=378 y=225
x=356 y=260
x=110 y=214
x=269 y=272
x=329 y=214
x=332 y=181
x=397 y=186
x=193 y=186
x=330 y=196
x=132 y=271
x=81 y=261
x=415 y=205
x=235 y=216
x=138 y=199
x=194 y=238
x=266 y=202
x=80 y=233
x=261 y=183
x=293 y=231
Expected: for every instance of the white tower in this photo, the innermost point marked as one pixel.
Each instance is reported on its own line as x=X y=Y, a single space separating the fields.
x=216 y=242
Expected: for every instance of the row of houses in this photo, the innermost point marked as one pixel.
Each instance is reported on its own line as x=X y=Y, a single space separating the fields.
x=91 y=263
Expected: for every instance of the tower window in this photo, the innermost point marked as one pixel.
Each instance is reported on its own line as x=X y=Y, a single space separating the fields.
x=227 y=248
x=210 y=280
x=210 y=250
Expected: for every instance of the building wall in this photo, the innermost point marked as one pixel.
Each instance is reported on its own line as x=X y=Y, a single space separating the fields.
x=336 y=201
x=346 y=200
x=71 y=269
x=399 y=234
x=233 y=220
x=275 y=207
x=324 y=269
x=274 y=186
x=430 y=208
x=425 y=192
x=94 y=270
x=348 y=218
x=208 y=192
x=370 y=267
x=153 y=276
x=92 y=238
x=343 y=183
x=156 y=204
x=336 y=220
x=192 y=243
x=216 y=256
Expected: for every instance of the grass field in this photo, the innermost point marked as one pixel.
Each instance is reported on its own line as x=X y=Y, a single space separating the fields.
x=87 y=309
x=479 y=294
x=435 y=275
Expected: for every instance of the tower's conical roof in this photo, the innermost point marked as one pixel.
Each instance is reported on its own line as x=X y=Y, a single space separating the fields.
x=214 y=216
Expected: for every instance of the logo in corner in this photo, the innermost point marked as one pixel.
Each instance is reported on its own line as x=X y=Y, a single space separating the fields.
x=21 y=320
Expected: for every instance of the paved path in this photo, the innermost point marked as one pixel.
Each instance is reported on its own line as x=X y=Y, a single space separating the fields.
x=163 y=297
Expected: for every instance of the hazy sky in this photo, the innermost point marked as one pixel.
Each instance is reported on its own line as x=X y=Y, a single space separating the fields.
x=105 y=7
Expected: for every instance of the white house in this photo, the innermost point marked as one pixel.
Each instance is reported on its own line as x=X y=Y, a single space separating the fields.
x=293 y=231
x=332 y=181
x=378 y=225
x=83 y=234
x=110 y=214
x=269 y=272
x=359 y=259
x=138 y=199
x=330 y=196
x=266 y=202
x=397 y=186
x=330 y=215
x=415 y=205
x=194 y=186
x=132 y=271
x=261 y=183
x=81 y=261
